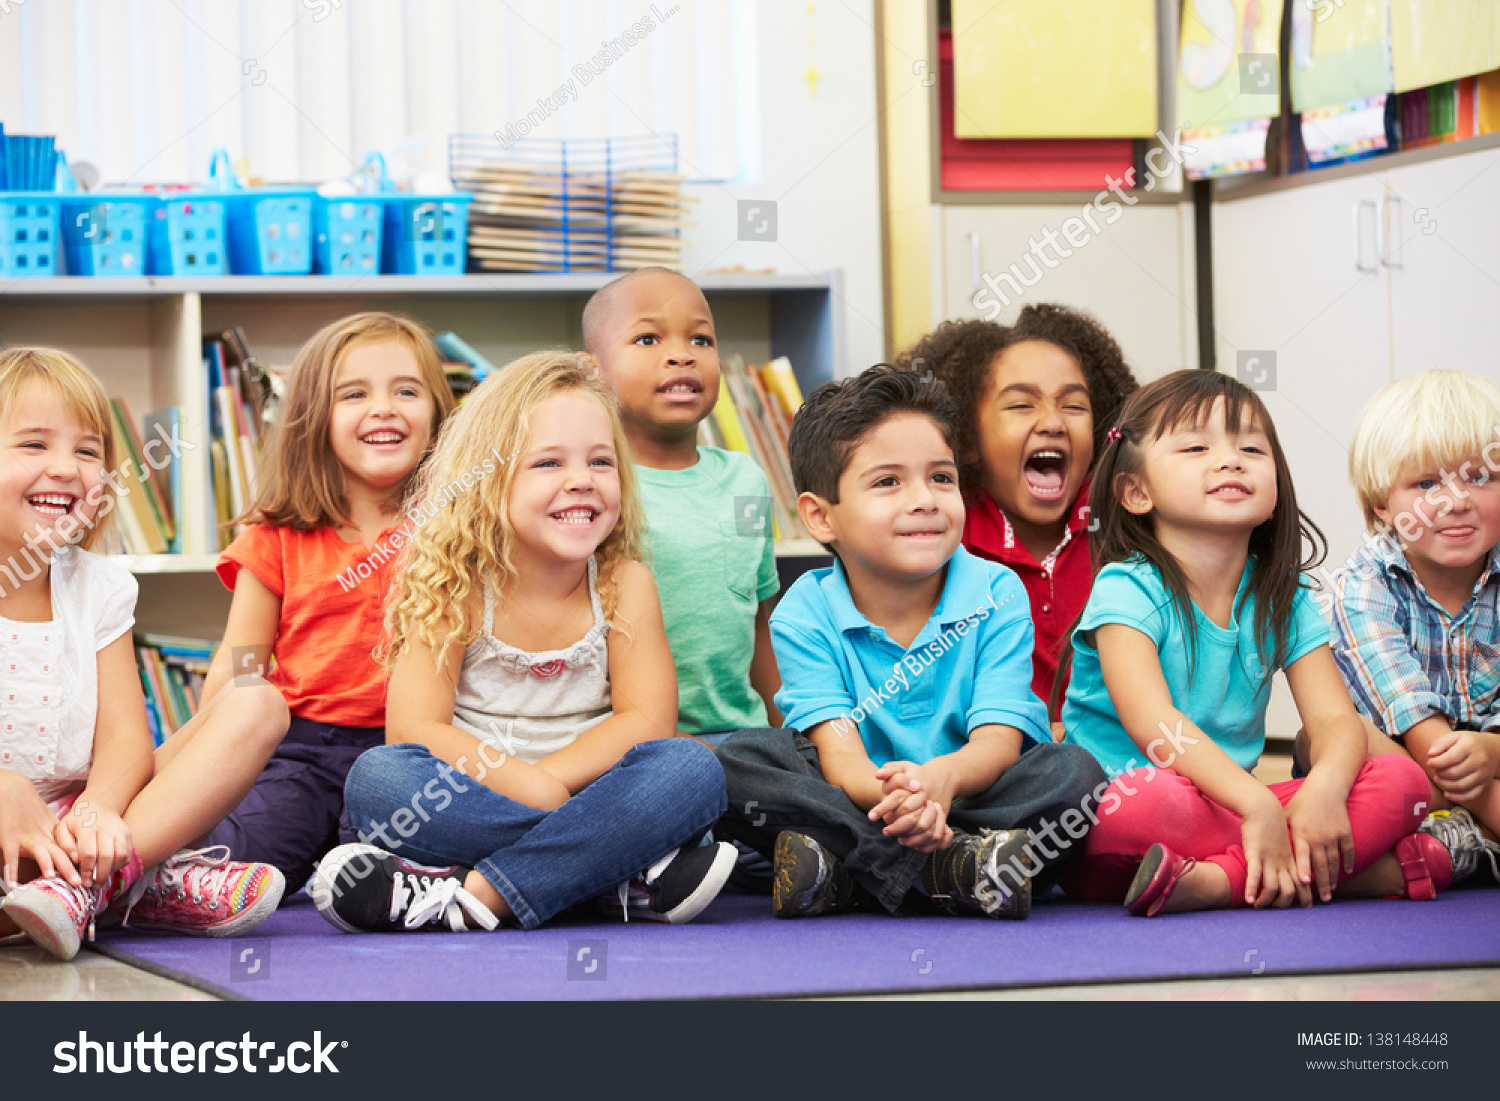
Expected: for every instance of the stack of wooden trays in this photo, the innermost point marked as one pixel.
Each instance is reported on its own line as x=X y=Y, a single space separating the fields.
x=570 y=206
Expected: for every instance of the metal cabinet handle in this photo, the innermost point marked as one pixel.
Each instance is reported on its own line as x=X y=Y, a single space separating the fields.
x=1359 y=235
x=1382 y=246
x=976 y=263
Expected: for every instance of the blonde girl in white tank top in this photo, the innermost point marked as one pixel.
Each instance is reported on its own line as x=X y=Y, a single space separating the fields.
x=531 y=759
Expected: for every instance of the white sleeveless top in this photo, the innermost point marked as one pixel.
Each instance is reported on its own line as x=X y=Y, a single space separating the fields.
x=530 y=705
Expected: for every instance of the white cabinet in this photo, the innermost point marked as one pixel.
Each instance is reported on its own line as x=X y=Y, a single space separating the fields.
x=1288 y=283
x=1135 y=275
x=1354 y=282
x=1445 y=264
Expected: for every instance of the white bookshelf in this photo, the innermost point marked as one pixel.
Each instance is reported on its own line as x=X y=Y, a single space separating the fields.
x=143 y=338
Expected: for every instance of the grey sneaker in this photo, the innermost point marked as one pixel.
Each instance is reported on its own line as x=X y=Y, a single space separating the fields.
x=811 y=882
x=1464 y=840
x=989 y=874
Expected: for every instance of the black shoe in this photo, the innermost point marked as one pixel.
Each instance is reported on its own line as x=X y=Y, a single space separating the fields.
x=362 y=889
x=811 y=882
x=678 y=887
x=989 y=874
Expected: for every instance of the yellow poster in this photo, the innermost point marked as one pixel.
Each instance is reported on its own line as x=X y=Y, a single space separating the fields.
x=1046 y=69
x=1228 y=68
x=1340 y=25
x=1341 y=51
x=1437 y=40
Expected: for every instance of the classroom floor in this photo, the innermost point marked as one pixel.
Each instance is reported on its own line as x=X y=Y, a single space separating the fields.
x=27 y=974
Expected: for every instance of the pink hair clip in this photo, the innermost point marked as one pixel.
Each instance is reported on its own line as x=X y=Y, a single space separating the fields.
x=1114 y=434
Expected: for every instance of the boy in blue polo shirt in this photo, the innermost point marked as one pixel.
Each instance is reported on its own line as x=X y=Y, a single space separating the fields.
x=915 y=757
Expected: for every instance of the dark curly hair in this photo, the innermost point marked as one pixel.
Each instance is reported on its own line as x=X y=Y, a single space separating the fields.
x=962 y=354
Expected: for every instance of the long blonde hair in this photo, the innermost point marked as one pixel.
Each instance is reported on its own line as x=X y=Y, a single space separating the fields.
x=85 y=400
x=468 y=540
x=301 y=482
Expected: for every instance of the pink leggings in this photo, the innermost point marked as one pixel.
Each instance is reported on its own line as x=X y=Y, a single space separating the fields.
x=1387 y=802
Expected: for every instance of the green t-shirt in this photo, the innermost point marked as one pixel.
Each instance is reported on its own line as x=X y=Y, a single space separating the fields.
x=714 y=559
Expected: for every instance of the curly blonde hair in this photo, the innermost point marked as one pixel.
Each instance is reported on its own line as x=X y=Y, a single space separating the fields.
x=468 y=540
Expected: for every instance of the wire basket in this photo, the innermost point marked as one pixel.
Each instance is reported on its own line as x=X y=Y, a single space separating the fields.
x=572 y=204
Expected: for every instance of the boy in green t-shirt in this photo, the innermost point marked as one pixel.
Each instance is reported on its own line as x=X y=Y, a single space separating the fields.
x=652 y=334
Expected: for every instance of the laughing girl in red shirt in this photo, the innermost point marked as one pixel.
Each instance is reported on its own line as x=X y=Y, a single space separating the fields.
x=1034 y=401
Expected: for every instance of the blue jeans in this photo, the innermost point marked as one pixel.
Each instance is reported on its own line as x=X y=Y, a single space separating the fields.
x=776 y=783
x=660 y=795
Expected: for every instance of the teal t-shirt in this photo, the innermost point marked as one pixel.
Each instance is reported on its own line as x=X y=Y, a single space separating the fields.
x=714 y=559
x=1228 y=690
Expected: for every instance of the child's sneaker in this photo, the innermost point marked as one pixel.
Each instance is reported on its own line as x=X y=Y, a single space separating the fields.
x=55 y=914
x=362 y=889
x=202 y=893
x=678 y=887
x=1464 y=840
x=811 y=882
x=58 y=916
x=989 y=874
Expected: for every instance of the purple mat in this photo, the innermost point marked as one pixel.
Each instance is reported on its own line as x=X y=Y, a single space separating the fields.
x=736 y=949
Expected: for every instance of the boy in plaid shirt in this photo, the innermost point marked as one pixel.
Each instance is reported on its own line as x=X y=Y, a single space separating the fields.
x=1416 y=610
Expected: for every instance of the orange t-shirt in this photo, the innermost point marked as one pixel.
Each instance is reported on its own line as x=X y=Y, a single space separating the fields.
x=332 y=611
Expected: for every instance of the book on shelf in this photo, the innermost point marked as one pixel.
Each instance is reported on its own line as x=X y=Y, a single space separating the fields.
x=754 y=416
x=172 y=673
x=463 y=367
x=239 y=397
x=165 y=426
x=145 y=498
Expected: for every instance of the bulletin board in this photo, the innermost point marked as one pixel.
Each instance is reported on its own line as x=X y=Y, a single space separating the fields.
x=1341 y=51
x=1437 y=40
x=1216 y=35
x=1045 y=69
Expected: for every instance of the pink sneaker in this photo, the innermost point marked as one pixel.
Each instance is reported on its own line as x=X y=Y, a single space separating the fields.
x=55 y=914
x=203 y=893
x=58 y=916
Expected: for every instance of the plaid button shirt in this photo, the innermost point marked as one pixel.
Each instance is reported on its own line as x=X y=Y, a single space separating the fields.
x=1403 y=656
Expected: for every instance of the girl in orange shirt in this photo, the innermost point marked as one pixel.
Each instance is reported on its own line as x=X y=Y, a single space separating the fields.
x=364 y=402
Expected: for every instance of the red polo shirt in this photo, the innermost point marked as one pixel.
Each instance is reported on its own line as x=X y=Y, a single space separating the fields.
x=1058 y=586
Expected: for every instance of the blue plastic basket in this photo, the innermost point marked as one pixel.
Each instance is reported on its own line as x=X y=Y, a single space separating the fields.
x=187 y=235
x=269 y=229
x=346 y=232
x=104 y=234
x=28 y=233
x=426 y=234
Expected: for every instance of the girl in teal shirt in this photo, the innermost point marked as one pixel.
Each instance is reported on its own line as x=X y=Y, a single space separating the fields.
x=1198 y=601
